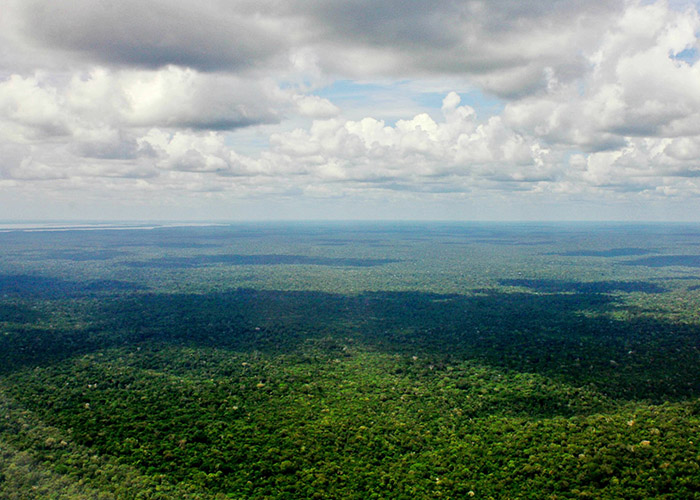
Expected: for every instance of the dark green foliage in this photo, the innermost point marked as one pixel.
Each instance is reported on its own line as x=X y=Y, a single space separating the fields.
x=667 y=261
x=561 y=286
x=348 y=362
x=256 y=260
x=26 y=286
x=84 y=255
x=613 y=252
x=18 y=313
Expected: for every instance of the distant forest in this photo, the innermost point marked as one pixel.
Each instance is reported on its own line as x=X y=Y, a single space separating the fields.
x=354 y=360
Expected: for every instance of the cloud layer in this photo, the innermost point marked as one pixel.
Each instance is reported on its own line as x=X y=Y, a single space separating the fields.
x=234 y=101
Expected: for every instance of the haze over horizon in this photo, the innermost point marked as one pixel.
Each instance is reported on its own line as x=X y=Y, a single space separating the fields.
x=249 y=110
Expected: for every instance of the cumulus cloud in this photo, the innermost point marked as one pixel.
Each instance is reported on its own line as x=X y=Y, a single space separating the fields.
x=202 y=153
x=315 y=107
x=636 y=87
x=169 y=97
x=152 y=95
x=504 y=44
x=153 y=33
x=417 y=151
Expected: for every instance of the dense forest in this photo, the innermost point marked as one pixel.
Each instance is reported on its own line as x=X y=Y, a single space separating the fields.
x=351 y=360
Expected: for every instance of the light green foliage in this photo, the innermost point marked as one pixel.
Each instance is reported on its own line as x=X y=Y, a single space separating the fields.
x=349 y=362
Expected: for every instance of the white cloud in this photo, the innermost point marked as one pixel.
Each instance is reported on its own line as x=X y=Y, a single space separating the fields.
x=504 y=44
x=315 y=107
x=30 y=111
x=150 y=33
x=200 y=153
x=37 y=107
x=635 y=87
x=600 y=98
x=416 y=151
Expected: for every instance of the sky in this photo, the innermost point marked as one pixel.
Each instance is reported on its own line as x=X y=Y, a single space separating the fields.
x=357 y=109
